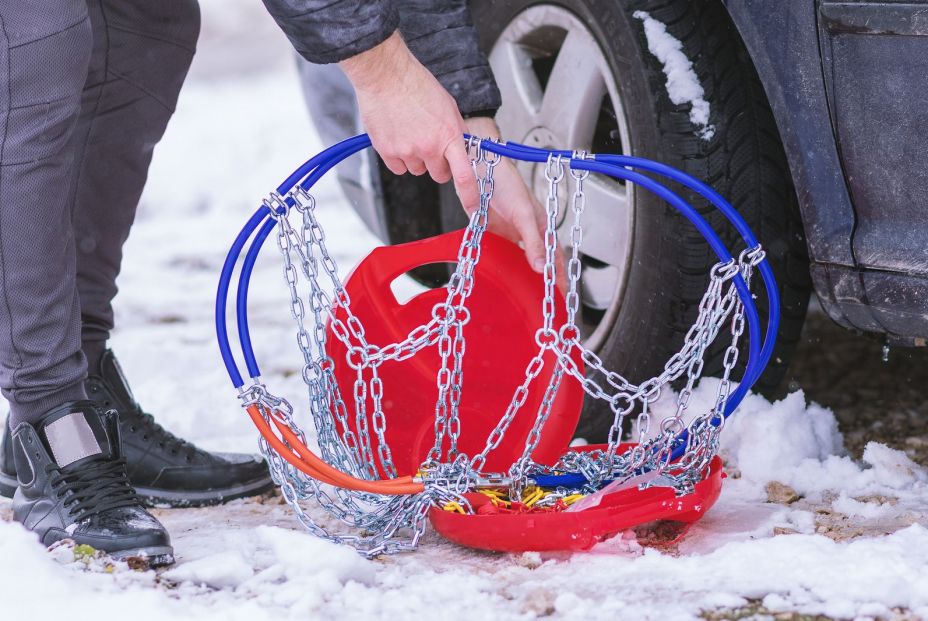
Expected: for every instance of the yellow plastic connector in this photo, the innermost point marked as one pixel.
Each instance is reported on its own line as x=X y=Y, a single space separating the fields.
x=454 y=507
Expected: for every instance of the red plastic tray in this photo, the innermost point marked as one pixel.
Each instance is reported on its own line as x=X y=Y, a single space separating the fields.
x=505 y=309
x=581 y=530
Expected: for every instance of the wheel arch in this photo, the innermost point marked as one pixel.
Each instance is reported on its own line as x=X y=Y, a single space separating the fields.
x=784 y=48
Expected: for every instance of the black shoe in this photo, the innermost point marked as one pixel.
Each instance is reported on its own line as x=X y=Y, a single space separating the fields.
x=73 y=485
x=164 y=469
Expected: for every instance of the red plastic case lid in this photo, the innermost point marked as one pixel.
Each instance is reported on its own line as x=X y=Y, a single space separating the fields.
x=564 y=530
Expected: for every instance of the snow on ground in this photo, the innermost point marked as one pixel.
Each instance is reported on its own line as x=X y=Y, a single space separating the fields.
x=829 y=536
x=682 y=82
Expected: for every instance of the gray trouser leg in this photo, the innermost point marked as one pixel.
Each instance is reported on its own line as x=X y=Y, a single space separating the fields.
x=75 y=168
x=142 y=50
x=44 y=54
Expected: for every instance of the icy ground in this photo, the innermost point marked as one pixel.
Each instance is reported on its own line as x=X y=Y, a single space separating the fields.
x=800 y=527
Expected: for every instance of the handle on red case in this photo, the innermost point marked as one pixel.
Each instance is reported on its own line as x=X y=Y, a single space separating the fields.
x=390 y=262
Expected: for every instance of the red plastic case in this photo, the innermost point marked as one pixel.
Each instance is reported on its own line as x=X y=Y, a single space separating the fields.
x=505 y=308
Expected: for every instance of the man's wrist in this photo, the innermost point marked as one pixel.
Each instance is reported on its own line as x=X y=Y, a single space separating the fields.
x=371 y=69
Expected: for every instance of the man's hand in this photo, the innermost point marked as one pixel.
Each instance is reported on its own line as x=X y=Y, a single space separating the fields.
x=415 y=126
x=413 y=122
x=515 y=213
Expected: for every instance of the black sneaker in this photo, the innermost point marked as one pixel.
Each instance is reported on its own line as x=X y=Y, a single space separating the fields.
x=164 y=469
x=73 y=485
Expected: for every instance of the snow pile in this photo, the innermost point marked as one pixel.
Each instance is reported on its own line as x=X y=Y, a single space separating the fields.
x=868 y=510
x=767 y=441
x=226 y=569
x=801 y=446
x=279 y=568
x=682 y=83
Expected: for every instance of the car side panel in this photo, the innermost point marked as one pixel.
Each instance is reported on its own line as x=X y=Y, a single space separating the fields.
x=782 y=39
x=876 y=68
x=842 y=69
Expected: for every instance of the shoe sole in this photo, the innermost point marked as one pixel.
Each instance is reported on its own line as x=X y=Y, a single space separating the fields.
x=154 y=497
x=8 y=485
x=157 y=556
x=158 y=498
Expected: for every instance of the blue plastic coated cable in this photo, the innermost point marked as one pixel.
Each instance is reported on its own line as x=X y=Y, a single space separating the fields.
x=241 y=301
x=222 y=335
x=316 y=169
x=346 y=148
x=331 y=156
x=222 y=295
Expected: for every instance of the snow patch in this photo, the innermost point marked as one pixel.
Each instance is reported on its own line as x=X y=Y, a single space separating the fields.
x=317 y=560
x=801 y=446
x=779 y=441
x=893 y=468
x=279 y=567
x=682 y=83
x=857 y=508
x=224 y=569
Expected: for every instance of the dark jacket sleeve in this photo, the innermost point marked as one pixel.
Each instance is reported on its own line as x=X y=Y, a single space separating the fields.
x=327 y=31
x=438 y=32
x=441 y=35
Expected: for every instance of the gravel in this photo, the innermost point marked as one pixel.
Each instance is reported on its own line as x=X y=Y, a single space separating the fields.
x=872 y=400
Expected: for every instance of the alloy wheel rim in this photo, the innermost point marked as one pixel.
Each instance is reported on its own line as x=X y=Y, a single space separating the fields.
x=559 y=92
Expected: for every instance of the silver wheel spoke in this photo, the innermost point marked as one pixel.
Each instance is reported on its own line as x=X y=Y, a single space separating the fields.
x=599 y=286
x=575 y=90
x=519 y=88
x=605 y=236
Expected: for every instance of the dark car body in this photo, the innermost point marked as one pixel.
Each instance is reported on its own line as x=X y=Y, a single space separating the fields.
x=848 y=86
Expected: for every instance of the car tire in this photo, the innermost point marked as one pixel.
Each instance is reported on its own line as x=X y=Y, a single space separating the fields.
x=667 y=270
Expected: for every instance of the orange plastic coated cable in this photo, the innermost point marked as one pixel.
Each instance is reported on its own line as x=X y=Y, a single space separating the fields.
x=296 y=444
x=309 y=463
x=315 y=467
